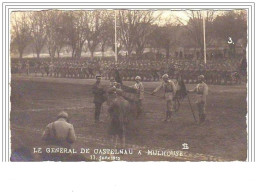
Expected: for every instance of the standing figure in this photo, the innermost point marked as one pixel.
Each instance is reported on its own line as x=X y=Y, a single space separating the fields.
x=201 y=90
x=140 y=91
x=169 y=93
x=27 y=68
x=99 y=97
x=117 y=77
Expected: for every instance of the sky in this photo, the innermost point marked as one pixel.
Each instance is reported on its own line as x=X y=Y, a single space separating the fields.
x=170 y=16
x=166 y=13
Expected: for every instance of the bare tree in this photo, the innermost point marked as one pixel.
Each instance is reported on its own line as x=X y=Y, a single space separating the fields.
x=82 y=27
x=70 y=31
x=50 y=33
x=81 y=21
x=107 y=30
x=231 y=24
x=135 y=27
x=55 y=37
x=38 y=31
x=144 y=28
x=127 y=23
x=195 y=26
x=93 y=28
x=165 y=37
x=20 y=32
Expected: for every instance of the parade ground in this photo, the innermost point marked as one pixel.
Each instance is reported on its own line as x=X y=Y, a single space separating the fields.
x=36 y=101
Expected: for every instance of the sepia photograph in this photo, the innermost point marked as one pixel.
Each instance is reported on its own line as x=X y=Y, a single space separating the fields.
x=129 y=85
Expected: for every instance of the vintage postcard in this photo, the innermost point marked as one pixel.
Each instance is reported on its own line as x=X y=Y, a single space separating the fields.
x=120 y=83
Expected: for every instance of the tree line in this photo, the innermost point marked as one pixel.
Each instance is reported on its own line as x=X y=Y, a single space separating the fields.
x=92 y=30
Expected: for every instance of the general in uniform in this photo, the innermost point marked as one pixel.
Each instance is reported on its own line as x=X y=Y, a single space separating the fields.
x=201 y=90
x=99 y=97
x=169 y=92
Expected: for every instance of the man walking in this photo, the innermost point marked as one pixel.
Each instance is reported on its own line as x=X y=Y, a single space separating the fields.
x=99 y=97
x=169 y=92
x=201 y=90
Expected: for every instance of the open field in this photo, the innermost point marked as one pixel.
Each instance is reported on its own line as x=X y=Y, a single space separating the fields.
x=36 y=102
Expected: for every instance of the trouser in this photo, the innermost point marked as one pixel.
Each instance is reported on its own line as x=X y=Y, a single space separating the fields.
x=139 y=107
x=98 y=107
x=201 y=111
x=169 y=108
x=169 y=104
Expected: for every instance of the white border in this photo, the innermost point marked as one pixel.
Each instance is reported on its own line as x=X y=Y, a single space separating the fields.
x=130 y=178
x=250 y=156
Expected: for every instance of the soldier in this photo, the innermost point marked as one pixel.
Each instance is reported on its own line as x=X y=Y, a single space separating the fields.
x=46 y=69
x=169 y=92
x=201 y=90
x=60 y=132
x=99 y=97
x=27 y=68
x=117 y=76
x=140 y=90
x=51 y=69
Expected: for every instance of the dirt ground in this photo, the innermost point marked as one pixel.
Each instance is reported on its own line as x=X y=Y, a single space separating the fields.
x=36 y=101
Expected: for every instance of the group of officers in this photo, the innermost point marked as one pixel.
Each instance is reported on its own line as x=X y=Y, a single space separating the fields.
x=171 y=90
x=225 y=72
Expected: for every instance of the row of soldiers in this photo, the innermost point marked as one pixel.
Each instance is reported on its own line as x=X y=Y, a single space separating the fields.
x=225 y=72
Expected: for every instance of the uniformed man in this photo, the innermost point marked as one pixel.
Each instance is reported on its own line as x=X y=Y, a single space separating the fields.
x=99 y=97
x=201 y=90
x=169 y=92
x=140 y=90
x=60 y=132
x=27 y=68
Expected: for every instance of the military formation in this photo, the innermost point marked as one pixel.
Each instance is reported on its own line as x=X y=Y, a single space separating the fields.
x=215 y=72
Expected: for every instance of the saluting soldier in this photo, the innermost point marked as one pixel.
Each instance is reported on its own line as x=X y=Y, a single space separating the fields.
x=169 y=92
x=99 y=97
x=201 y=90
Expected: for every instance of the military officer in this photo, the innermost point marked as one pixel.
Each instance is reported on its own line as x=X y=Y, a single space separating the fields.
x=140 y=90
x=60 y=132
x=99 y=97
x=169 y=92
x=201 y=90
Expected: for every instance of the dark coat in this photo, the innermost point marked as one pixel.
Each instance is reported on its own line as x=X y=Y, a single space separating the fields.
x=99 y=93
x=117 y=77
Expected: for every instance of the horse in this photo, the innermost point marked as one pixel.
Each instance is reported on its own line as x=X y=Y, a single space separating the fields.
x=119 y=111
x=181 y=92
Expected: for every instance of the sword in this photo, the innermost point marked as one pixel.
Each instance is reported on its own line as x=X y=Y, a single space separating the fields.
x=191 y=108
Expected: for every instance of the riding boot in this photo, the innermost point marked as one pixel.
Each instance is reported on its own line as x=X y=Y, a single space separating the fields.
x=167 y=116
x=204 y=117
x=201 y=118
